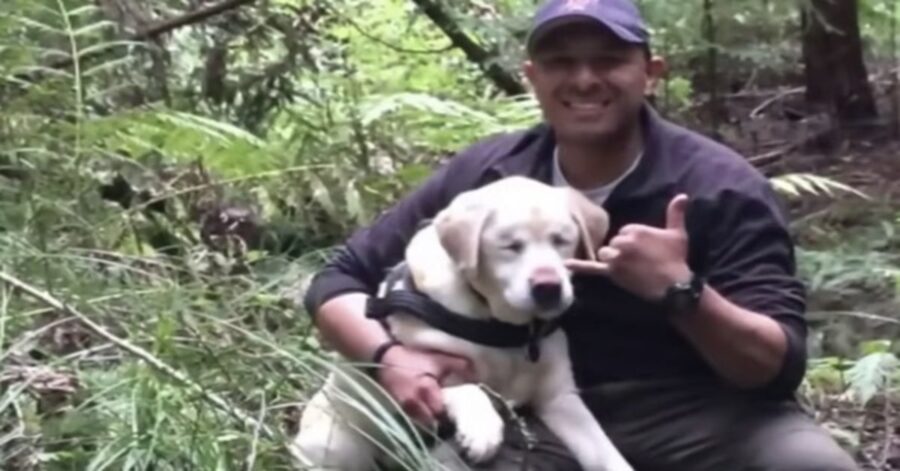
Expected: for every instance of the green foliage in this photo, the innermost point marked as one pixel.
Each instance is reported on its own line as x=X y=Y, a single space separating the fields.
x=875 y=372
x=309 y=116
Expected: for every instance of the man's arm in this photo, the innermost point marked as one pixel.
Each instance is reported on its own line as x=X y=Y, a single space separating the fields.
x=342 y=323
x=749 y=325
x=746 y=348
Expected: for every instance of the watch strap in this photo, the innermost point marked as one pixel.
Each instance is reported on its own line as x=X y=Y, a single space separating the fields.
x=382 y=349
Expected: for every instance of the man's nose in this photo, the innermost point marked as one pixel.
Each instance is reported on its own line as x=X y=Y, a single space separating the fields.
x=584 y=76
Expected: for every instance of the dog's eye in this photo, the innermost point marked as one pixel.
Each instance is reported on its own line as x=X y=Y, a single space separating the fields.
x=558 y=240
x=514 y=246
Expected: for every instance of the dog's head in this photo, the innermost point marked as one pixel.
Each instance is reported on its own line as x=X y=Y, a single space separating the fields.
x=510 y=239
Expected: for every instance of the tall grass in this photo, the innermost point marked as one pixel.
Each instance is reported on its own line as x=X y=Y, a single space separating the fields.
x=129 y=357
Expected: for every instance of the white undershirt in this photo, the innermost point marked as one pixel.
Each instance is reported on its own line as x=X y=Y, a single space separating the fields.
x=597 y=194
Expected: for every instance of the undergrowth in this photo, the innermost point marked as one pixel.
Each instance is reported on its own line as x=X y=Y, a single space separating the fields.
x=152 y=258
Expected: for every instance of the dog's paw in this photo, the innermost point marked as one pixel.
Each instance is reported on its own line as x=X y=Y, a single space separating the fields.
x=479 y=436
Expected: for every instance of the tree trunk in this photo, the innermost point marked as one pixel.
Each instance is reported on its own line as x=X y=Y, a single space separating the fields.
x=712 y=69
x=503 y=79
x=835 y=71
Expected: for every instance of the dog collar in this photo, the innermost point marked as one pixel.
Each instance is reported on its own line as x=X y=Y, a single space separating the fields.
x=491 y=332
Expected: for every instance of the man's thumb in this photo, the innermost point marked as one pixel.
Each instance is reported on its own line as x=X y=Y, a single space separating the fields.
x=676 y=211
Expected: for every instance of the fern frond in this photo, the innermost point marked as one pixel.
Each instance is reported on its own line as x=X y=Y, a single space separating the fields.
x=106 y=66
x=795 y=184
x=32 y=23
x=42 y=52
x=381 y=106
x=871 y=374
x=210 y=127
x=39 y=69
x=93 y=28
x=104 y=93
x=85 y=10
x=96 y=48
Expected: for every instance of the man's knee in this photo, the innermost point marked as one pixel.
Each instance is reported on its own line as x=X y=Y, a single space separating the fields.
x=808 y=449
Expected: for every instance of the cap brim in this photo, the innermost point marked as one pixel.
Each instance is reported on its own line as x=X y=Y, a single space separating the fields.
x=541 y=32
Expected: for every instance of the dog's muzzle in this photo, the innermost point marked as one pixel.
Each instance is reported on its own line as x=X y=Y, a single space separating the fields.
x=547 y=295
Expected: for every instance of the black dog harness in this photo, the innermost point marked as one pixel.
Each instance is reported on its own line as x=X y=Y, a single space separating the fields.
x=489 y=332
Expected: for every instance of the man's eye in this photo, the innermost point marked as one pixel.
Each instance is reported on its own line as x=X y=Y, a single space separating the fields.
x=557 y=62
x=607 y=61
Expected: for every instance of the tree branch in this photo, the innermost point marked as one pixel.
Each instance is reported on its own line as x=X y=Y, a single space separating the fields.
x=151 y=32
x=189 y=19
x=474 y=52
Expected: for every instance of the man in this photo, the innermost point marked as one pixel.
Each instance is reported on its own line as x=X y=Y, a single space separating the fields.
x=688 y=337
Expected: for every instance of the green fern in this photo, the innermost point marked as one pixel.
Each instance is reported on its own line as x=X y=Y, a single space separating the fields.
x=796 y=184
x=873 y=374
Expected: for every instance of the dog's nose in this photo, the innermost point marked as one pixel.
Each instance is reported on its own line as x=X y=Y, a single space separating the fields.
x=546 y=294
x=546 y=288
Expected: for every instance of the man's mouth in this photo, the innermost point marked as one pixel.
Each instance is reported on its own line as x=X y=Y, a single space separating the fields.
x=587 y=107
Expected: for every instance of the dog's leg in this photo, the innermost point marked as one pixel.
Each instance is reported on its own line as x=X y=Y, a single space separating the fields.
x=568 y=417
x=479 y=427
x=325 y=442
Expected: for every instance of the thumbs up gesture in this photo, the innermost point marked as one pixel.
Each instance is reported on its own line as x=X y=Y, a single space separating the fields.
x=643 y=259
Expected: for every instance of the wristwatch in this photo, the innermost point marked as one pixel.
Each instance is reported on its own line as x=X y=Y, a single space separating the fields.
x=684 y=297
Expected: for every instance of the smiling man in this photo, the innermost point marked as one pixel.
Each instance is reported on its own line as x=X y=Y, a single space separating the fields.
x=688 y=336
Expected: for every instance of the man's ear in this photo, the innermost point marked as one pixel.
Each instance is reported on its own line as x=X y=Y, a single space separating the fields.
x=656 y=70
x=529 y=72
x=593 y=224
x=459 y=228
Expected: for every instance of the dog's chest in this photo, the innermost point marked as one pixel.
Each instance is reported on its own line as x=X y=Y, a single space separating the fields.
x=509 y=373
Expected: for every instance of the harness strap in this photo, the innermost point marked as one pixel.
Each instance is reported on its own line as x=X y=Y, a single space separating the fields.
x=491 y=332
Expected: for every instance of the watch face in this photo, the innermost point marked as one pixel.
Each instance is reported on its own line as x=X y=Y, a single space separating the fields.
x=683 y=301
x=684 y=297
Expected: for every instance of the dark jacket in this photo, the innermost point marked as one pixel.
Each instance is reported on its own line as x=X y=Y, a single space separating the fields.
x=738 y=234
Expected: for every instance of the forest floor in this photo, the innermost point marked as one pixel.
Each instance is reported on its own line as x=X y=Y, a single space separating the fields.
x=780 y=136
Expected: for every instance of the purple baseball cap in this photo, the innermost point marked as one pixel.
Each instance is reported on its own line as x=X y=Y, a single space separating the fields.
x=622 y=17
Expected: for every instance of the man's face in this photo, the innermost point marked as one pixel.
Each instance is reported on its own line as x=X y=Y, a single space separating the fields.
x=589 y=83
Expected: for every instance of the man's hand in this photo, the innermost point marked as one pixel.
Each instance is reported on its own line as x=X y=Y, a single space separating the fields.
x=648 y=260
x=642 y=259
x=413 y=378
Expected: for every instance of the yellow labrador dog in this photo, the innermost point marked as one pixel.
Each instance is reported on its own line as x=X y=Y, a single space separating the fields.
x=494 y=255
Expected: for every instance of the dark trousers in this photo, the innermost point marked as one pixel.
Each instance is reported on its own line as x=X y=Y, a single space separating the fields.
x=686 y=425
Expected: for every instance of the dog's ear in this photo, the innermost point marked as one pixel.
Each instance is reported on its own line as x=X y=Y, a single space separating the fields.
x=459 y=228
x=593 y=223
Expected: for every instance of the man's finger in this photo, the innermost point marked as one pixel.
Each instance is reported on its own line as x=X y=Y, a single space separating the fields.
x=675 y=212
x=607 y=254
x=432 y=398
x=452 y=364
x=618 y=243
x=419 y=412
x=587 y=267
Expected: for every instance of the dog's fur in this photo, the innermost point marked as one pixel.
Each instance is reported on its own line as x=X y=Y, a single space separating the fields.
x=500 y=239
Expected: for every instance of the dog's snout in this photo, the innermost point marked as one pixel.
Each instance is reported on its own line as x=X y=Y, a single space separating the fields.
x=546 y=288
x=546 y=295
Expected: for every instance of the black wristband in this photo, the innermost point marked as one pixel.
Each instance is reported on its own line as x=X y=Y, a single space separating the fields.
x=382 y=349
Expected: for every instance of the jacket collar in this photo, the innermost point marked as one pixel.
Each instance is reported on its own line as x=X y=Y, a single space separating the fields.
x=533 y=156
